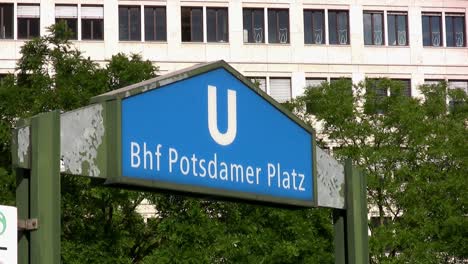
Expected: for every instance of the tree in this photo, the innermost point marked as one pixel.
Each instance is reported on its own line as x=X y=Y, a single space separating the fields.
x=102 y=225
x=413 y=152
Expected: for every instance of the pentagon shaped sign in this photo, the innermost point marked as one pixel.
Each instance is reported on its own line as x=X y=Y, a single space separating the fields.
x=208 y=130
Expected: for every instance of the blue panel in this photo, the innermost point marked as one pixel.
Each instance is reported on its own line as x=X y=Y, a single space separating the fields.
x=269 y=156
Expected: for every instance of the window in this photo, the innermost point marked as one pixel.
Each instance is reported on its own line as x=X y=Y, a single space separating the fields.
x=455 y=30
x=338 y=27
x=2 y=78
x=155 y=23
x=379 y=89
x=260 y=81
x=92 y=22
x=192 y=24
x=217 y=24
x=432 y=25
x=129 y=23
x=432 y=81
x=254 y=25
x=406 y=89
x=28 y=21
x=280 y=89
x=278 y=26
x=315 y=82
x=373 y=28
x=332 y=80
x=457 y=85
x=69 y=15
x=397 y=24
x=6 y=21
x=314 y=21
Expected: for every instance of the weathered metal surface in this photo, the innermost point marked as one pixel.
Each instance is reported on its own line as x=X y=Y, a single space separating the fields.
x=82 y=134
x=330 y=181
x=21 y=146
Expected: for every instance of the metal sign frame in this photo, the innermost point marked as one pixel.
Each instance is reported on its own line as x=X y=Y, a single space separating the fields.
x=40 y=154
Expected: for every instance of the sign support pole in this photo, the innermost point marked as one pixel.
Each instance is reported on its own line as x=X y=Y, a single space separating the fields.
x=22 y=204
x=38 y=196
x=351 y=238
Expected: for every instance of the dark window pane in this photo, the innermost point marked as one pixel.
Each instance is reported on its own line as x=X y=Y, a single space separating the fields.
x=197 y=24
x=426 y=31
x=23 y=28
x=124 y=23
x=223 y=30
x=129 y=23
x=71 y=24
x=86 y=29
x=247 y=25
x=367 y=29
x=402 y=30
x=392 y=40
x=338 y=27
x=192 y=24
x=34 y=27
x=258 y=26
x=150 y=29
x=278 y=26
x=6 y=21
x=155 y=23
x=92 y=29
x=272 y=26
x=317 y=20
x=308 y=27
x=343 y=28
x=217 y=24
x=449 y=31
x=253 y=25
x=378 y=29
x=459 y=28
x=435 y=33
x=161 y=33
x=186 y=21
x=135 y=23
x=332 y=27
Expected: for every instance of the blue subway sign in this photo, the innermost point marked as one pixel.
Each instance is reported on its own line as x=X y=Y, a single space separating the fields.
x=213 y=133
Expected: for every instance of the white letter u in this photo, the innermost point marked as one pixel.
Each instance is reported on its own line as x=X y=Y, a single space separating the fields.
x=227 y=138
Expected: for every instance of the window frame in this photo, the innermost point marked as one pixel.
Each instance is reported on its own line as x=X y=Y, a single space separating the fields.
x=216 y=9
x=28 y=20
x=69 y=19
x=280 y=78
x=155 y=25
x=254 y=79
x=191 y=25
x=337 y=11
x=129 y=20
x=430 y=15
x=396 y=14
x=372 y=14
x=2 y=20
x=312 y=11
x=92 y=20
x=278 y=29
x=252 y=10
x=452 y=16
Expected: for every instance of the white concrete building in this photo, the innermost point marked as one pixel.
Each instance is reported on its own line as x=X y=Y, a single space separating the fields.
x=286 y=44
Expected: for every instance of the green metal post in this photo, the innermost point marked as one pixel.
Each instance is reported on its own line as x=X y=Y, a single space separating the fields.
x=339 y=226
x=22 y=205
x=356 y=215
x=45 y=188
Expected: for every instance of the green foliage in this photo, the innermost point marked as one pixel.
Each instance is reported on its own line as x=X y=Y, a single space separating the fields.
x=102 y=225
x=414 y=154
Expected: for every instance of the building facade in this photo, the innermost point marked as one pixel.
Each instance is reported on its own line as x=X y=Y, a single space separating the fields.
x=283 y=44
